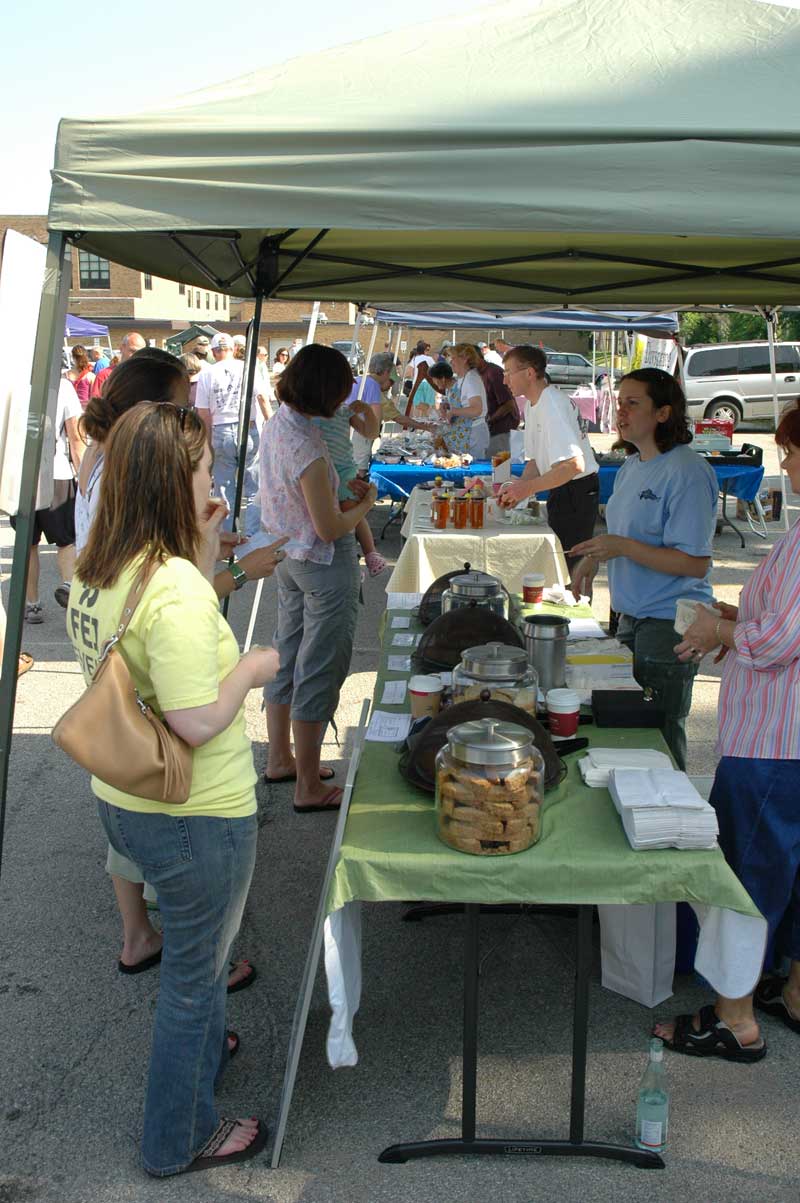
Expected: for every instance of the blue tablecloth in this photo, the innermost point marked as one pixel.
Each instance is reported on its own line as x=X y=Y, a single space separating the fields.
x=740 y=480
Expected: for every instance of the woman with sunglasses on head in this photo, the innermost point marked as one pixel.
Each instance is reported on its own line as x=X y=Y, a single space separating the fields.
x=661 y=519
x=185 y=662
x=149 y=375
x=756 y=790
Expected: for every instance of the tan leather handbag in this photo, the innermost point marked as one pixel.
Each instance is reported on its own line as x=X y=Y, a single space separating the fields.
x=111 y=732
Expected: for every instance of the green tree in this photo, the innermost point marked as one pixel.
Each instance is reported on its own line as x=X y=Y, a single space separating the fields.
x=699 y=328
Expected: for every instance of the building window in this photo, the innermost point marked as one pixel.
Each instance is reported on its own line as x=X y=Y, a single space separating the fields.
x=189 y=297
x=181 y=289
x=93 y=271
x=197 y=299
x=216 y=300
x=148 y=281
x=208 y=301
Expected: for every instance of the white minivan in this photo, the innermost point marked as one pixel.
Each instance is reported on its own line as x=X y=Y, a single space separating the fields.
x=732 y=381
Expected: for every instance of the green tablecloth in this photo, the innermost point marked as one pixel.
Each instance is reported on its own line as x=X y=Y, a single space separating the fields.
x=391 y=852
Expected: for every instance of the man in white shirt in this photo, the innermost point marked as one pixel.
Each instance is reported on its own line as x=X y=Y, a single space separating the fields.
x=489 y=354
x=559 y=455
x=218 y=402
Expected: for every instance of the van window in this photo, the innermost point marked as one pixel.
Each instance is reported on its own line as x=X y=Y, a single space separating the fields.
x=787 y=358
x=557 y=359
x=716 y=361
x=576 y=361
x=753 y=361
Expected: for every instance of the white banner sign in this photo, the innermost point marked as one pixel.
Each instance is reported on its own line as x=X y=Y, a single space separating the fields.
x=658 y=353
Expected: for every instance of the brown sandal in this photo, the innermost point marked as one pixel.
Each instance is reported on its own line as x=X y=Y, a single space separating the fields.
x=205 y=1159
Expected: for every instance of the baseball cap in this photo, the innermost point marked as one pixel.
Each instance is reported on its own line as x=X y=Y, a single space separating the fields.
x=239 y=340
x=222 y=342
x=202 y=341
x=482 y=345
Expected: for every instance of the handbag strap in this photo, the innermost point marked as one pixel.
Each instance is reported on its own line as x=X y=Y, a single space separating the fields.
x=135 y=594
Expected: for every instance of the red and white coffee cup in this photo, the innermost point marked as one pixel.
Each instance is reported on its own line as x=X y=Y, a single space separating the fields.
x=533 y=588
x=563 y=710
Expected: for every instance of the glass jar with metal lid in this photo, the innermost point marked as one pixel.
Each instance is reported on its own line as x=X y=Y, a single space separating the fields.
x=496 y=672
x=489 y=783
x=475 y=589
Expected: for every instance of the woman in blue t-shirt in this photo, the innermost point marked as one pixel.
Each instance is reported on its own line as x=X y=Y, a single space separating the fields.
x=661 y=519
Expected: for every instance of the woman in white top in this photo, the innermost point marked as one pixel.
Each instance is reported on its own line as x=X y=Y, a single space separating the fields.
x=468 y=431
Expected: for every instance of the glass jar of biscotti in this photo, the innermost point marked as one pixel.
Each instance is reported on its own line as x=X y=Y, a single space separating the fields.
x=489 y=787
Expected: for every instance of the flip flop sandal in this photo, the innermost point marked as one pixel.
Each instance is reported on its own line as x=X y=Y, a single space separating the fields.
x=327 y=803
x=714 y=1039
x=769 y=997
x=244 y=982
x=141 y=966
x=24 y=664
x=232 y=1049
x=205 y=1160
x=324 y=775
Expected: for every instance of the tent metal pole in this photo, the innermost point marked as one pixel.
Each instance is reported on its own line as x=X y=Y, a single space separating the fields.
x=245 y=405
x=44 y=381
x=363 y=381
x=356 y=333
x=771 y=317
x=312 y=325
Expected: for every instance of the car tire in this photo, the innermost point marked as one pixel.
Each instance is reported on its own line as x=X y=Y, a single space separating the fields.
x=726 y=410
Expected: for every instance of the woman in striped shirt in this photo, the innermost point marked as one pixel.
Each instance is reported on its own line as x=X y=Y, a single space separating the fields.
x=756 y=791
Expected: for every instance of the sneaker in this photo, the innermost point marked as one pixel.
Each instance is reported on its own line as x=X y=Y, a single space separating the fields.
x=33 y=612
x=61 y=594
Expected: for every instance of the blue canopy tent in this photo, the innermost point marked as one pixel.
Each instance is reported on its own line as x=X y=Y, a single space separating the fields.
x=81 y=327
x=659 y=325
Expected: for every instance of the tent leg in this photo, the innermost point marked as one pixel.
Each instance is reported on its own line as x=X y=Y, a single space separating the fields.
x=312 y=325
x=364 y=374
x=44 y=380
x=771 y=316
x=245 y=406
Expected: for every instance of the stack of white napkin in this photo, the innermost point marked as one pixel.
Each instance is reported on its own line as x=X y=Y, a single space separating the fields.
x=660 y=808
x=597 y=765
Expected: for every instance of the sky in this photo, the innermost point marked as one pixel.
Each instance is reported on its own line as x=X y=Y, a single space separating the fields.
x=97 y=60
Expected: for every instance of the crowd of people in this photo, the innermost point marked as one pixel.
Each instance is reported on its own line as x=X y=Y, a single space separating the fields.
x=163 y=429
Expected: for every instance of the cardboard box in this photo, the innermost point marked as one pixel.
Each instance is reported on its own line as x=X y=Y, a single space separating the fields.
x=771 y=503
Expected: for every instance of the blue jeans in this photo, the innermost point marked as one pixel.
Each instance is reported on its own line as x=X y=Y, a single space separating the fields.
x=225 y=441
x=758 y=811
x=656 y=667
x=201 y=868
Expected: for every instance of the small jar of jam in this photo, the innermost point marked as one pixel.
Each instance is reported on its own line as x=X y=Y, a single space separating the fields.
x=440 y=510
x=460 y=509
x=477 y=507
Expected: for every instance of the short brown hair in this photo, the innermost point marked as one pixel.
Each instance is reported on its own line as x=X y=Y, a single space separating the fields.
x=789 y=427
x=529 y=357
x=316 y=382
x=146 y=496
x=140 y=378
x=664 y=389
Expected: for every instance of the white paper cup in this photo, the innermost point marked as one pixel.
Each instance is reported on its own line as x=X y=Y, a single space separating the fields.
x=426 y=696
x=533 y=588
x=563 y=709
x=686 y=612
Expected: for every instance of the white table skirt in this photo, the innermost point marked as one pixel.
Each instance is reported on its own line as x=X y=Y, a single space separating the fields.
x=507 y=552
x=730 y=952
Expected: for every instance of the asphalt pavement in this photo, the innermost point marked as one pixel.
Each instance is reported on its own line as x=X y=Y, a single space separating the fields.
x=75 y=1033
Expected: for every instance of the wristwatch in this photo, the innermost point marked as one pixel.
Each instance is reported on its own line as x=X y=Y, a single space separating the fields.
x=239 y=575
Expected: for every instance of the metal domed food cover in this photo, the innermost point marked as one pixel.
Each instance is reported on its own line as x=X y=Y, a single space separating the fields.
x=418 y=757
x=442 y=644
x=431 y=605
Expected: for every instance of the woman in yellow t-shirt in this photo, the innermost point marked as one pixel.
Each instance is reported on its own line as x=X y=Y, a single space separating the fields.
x=155 y=509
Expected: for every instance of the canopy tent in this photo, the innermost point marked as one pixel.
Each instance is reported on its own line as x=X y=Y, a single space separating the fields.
x=536 y=167
x=658 y=325
x=538 y=164
x=80 y=327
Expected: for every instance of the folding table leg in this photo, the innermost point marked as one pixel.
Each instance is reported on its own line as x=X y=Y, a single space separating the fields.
x=468 y=1142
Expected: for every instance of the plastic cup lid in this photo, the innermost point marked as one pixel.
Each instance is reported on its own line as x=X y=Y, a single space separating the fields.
x=425 y=684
